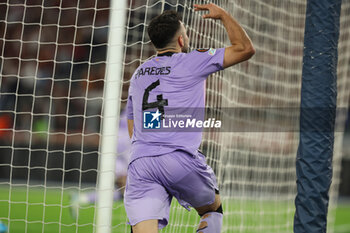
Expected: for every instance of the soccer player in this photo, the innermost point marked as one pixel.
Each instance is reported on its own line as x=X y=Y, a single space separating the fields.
x=168 y=164
x=122 y=161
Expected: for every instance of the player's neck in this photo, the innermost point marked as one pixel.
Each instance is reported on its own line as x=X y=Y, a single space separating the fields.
x=169 y=50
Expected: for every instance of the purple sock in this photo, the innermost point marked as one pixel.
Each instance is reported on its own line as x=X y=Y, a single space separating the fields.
x=210 y=223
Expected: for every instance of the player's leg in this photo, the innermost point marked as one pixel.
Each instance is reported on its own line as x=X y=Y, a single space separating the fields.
x=146 y=201
x=211 y=217
x=208 y=208
x=198 y=188
x=148 y=226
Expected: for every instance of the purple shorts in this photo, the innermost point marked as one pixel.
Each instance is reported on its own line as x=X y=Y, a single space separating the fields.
x=153 y=181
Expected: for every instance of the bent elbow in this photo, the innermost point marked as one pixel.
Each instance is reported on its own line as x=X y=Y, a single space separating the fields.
x=250 y=51
x=237 y=54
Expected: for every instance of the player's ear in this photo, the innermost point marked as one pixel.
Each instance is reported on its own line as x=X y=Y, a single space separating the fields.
x=181 y=41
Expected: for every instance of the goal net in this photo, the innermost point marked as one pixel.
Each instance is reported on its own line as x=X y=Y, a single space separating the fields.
x=53 y=59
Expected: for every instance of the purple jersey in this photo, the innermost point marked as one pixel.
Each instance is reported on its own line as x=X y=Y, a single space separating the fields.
x=173 y=81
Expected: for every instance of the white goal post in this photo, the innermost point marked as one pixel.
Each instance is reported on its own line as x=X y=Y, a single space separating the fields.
x=111 y=112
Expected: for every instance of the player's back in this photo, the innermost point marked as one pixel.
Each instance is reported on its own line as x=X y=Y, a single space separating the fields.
x=164 y=91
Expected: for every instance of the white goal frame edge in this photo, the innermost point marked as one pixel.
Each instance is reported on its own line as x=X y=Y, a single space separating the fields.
x=111 y=111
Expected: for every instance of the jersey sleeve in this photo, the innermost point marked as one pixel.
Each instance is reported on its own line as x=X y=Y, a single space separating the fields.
x=204 y=62
x=129 y=110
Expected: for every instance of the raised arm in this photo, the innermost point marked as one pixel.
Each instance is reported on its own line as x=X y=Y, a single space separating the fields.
x=241 y=48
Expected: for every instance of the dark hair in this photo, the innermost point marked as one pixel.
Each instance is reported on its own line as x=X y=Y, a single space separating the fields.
x=163 y=28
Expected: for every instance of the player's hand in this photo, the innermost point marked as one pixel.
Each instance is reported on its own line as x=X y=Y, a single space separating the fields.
x=215 y=12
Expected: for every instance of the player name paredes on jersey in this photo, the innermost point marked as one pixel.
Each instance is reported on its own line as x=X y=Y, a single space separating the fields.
x=153 y=71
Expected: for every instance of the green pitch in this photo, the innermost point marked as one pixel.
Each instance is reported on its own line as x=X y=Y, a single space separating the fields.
x=30 y=217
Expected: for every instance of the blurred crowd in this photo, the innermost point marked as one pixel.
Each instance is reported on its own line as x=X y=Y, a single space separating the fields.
x=53 y=64
x=53 y=60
